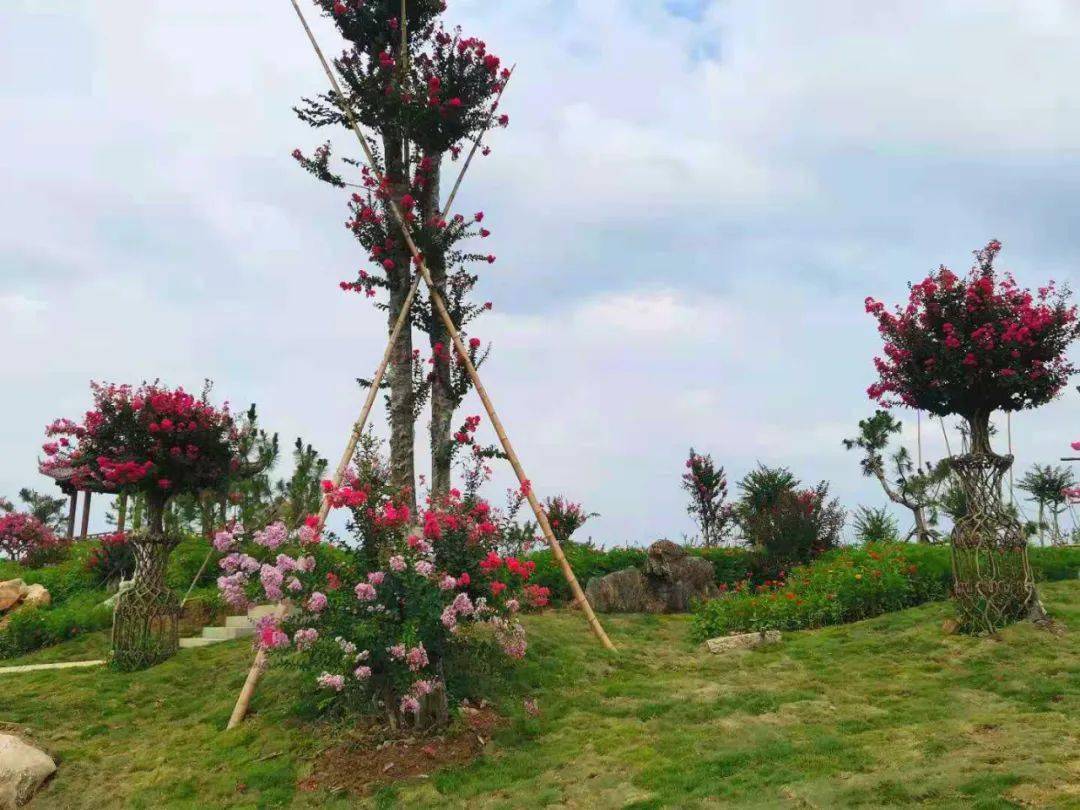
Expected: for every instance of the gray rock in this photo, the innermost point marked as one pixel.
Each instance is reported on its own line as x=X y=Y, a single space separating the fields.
x=672 y=579
x=742 y=641
x=23 y=769
x=620 y=592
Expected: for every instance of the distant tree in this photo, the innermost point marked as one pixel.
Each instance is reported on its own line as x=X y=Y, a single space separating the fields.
x=1047 y=486
x=762 y=488
x=301 y=495
x=706 y=485
x=50 y=510
x=874 y=525
x=903 y=484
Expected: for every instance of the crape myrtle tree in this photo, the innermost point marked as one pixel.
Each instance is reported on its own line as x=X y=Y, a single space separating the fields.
x=706 y=485
x=969 y=346
x=905 y=486
x=423 y=92
x=158 y=443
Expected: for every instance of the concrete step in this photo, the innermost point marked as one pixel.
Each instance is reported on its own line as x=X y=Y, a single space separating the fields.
x=227 y=633
x=189 y=643
x=239 y=621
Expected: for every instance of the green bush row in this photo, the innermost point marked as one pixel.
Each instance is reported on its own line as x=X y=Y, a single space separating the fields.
x=31 y=629
x=852 y=584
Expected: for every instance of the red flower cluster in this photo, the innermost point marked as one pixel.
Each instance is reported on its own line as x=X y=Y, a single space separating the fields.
x=974 y=344
x=27 y=541
x=149 y=439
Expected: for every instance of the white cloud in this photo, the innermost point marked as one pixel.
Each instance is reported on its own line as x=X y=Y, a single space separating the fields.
x=687 y=217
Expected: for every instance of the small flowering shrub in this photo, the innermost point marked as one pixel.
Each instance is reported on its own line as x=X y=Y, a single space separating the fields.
x=706 y=485
x=112 y=559
x=565 y=517
x=26 y=540
x=375 y=630
x=797 y=525
x=843 y=586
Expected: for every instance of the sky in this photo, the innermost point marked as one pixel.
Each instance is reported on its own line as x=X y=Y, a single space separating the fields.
x=691 y=203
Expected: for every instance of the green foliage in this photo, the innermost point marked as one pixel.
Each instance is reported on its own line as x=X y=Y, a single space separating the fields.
x=77 y=595
x=827 y=591
x=30 y=629
x=842 y=586
x=761 y=489
x=186 y=560
x=796 y=525
x=874 y=525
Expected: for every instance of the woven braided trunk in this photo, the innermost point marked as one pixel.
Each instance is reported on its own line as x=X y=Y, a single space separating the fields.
x=146 y=622
x=993 y=583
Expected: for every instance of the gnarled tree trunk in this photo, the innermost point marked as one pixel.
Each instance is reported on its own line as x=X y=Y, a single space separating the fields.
x=146 y=621
x=993 y=583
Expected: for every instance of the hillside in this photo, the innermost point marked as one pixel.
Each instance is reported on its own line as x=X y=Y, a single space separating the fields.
x=884 y=712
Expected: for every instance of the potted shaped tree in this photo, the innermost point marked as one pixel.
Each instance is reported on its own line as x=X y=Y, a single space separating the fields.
x=156 y=442
x=968 y=347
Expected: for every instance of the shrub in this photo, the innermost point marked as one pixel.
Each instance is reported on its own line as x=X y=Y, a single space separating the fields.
x=111 y=559
x=376 y=624
x=706 y=485
x=875 y=525
x=30 y=629
x=842 y=586
x=795 y=525
x=29 y=542
x=565 y=517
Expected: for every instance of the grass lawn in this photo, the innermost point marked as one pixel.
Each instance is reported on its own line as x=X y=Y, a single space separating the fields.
x=886 y=712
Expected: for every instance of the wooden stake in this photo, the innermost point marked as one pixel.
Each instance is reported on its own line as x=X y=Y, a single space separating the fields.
x=463 y=354
x=258 y=666
x=85 y=515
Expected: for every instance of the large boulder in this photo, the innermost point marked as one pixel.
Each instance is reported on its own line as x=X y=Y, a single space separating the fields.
x=36 y=596
x=11 y=593
x=671 y=579
x=677 y=577
x=619 y=592
x=23 y=769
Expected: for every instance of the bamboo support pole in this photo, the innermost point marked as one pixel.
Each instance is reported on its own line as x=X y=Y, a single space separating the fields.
x=259 y=664
x=463 y=354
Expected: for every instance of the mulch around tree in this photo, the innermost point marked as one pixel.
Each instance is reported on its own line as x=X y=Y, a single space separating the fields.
x=372 y=760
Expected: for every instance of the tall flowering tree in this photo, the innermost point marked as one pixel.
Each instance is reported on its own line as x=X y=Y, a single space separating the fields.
x=155 y=442
x=423 y=92
x=968 y=346
x=706 y=484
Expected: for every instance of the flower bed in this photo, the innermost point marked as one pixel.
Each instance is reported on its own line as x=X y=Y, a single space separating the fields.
x=852 y=584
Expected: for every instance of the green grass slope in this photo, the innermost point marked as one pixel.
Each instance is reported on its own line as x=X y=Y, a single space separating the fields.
x=885 y=712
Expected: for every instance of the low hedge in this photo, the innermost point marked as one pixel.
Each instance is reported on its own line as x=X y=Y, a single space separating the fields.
x=31 y=629
x=851 y=584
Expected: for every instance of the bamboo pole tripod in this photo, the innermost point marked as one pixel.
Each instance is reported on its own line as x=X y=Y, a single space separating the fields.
x=259 y=664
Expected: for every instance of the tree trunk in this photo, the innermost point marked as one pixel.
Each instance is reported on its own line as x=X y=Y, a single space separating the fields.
x=922 y=530
x=979 y=427
x=1042 y=525
x=146 y=621
x=442 y=397
x=992 y=579
x=402 y=410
